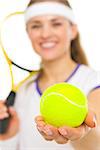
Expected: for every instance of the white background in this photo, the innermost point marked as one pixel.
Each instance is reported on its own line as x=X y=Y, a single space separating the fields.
x=87 y=13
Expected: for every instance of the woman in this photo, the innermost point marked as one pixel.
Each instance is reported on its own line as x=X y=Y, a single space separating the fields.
x=53 y=32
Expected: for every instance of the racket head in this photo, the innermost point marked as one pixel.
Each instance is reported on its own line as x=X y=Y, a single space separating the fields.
x=16 y=43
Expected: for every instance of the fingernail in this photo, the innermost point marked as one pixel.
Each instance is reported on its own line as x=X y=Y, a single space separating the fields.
x=63 y=132
x=48 y=132
x=95 y=121
x=40 y=129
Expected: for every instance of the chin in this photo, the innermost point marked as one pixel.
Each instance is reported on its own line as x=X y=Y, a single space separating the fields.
x=49 y=59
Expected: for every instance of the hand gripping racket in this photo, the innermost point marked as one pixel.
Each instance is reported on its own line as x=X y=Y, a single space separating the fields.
x=11 y=97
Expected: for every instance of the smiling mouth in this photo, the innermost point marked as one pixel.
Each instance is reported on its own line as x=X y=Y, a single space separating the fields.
x=48 y=45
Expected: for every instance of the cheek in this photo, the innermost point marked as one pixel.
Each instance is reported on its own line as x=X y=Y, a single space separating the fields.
x=65 y=39
x=32 y=36
x=29 y=35
x=69 y=34
x=65 y=35
x=33 y=40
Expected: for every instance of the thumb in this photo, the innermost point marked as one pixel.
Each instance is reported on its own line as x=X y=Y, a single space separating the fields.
x=12 y=112
x=90 y=120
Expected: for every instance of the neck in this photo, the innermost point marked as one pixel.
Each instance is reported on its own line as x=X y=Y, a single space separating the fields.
x=58 y=70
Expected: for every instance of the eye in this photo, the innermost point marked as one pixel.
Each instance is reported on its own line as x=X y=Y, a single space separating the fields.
x=57 y=24
x=35 y=26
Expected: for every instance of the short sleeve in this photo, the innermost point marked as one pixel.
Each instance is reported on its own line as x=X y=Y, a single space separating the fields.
x=93 y=81
x=86 y=78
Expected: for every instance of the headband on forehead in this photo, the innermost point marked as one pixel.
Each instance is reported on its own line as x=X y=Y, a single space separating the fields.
x=49 y=8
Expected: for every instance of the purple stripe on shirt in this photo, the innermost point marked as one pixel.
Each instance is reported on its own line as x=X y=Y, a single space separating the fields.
x=72 y=74
x=97 y=87
x=38 y=89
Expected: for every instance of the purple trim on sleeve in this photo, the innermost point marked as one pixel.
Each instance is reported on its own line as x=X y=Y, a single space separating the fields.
x=72 y=74
x=97 y=87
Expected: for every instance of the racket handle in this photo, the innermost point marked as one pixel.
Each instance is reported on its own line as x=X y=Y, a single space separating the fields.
x=10 y=99
x=9 y=102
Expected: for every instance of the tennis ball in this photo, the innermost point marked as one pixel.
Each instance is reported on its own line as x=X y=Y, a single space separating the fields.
x=63 y=105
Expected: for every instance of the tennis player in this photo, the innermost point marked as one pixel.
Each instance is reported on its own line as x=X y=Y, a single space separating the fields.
x=52 y=29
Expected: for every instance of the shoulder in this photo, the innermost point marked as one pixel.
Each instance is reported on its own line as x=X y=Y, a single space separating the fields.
x=86 y=78
x=91 y=77
x=87 y=72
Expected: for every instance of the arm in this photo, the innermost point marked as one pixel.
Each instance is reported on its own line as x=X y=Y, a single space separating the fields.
x=92 y=140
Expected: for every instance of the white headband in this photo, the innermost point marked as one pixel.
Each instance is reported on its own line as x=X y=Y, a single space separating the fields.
x=49 y=8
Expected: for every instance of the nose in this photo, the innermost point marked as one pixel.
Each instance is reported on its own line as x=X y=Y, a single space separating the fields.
x=46 y=32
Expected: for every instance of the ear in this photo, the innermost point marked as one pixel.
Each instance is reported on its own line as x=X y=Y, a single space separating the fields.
x=73 y=31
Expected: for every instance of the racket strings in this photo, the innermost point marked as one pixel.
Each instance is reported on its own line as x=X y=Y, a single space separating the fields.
x=10 y=62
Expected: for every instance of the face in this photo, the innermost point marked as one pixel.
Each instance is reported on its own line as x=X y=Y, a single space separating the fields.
x=50 y=36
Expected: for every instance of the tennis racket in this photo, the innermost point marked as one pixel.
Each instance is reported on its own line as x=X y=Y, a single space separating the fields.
x=9 y=29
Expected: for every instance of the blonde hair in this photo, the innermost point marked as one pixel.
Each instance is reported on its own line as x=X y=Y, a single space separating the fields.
x=77 y=53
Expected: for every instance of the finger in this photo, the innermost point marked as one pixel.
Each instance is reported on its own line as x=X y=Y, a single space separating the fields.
x=4 y=115
x=40 y=121
x=12 y=112
x=48 y=138
x=45 y=136
x=54 y=133
x=6 y=112
x=47 y=132
x=39 y=118
x=3 y=109
x=61 y=140
x=2 y=102
x=40 y=126
x=90 y=120
x=50 y=133
x=72 y=133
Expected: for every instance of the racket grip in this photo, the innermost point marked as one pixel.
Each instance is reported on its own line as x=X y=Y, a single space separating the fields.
x=10 y=99
x=9 y=102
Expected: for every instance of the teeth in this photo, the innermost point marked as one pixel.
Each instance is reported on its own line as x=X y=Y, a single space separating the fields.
x=48 y=45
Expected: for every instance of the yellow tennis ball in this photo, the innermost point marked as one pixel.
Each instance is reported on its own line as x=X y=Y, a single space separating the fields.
x=63 y=104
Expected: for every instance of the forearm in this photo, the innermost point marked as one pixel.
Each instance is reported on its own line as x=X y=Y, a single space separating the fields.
x=91 y=141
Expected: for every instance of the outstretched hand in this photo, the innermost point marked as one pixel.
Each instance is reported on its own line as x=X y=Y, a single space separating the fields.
x=63 y=134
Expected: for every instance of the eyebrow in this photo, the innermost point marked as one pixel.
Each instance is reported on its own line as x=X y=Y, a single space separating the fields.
x=56 y=19
x=51 y=20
